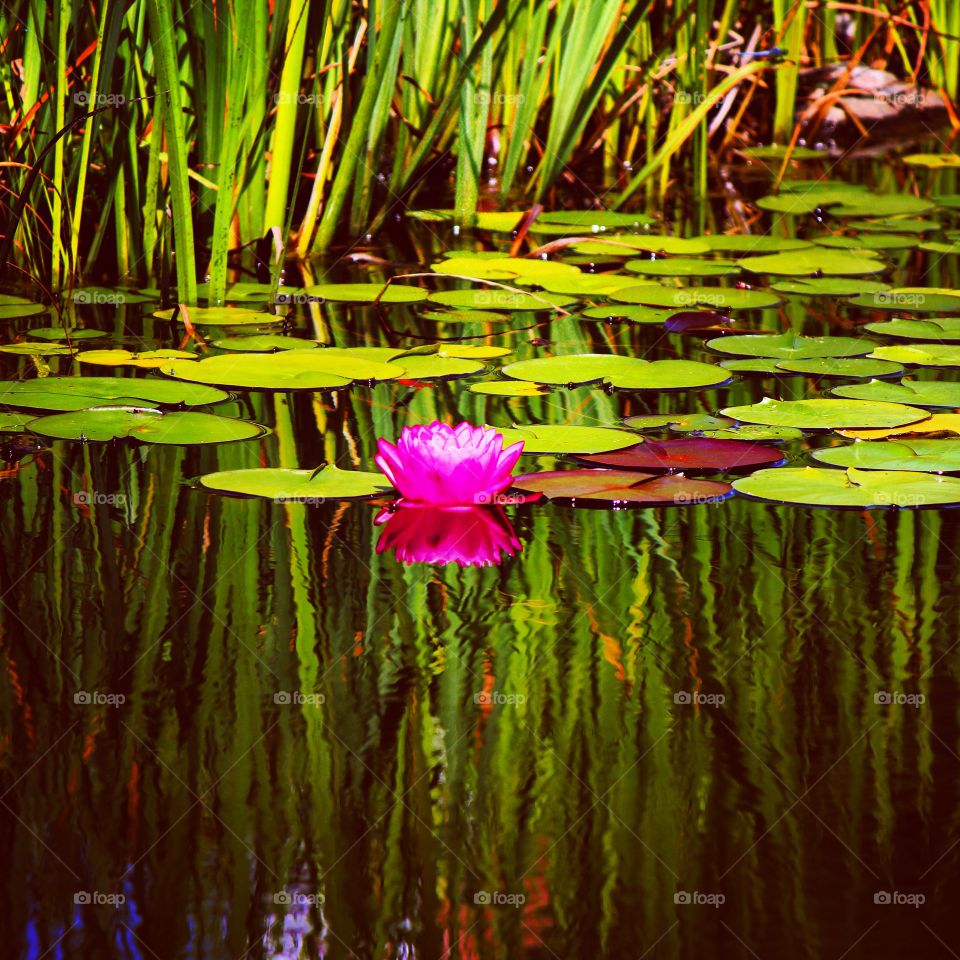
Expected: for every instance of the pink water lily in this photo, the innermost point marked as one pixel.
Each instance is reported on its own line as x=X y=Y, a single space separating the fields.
x=448 y=466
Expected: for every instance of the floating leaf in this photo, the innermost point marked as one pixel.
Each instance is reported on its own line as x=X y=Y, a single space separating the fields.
x=827 y=414
x=625 y=487
x=508 y=388
x=867 y=241
x=146 y=424
x=944 y=329
x=629 y=243
x=790 y=346
x=789 y=203
x=78 y=393
x=12 y=306
x=679 y=422
x=596 y=220
x=747 y=243
x=932 y=161
x=891 y=224
x=910 y=300
x=816 y=260
x=58 y=333
x=842 y=367
x=920 y=455
x=589 y=284
x=632 y=314
x=829 y=286
x=755 y=432
x=14 y=422
x=883 y=205
x=437 y=367
x=517 y=269
x=823 y=487
x=919 y=393
x=464 y=316
x=716 y=298
x=625 y=373
x=147 y=360
x=770 y=368
x=920 y=354
x=280 y=484
x=264 y=343
x=567 y=439
x=684 y=267
x=945 y=424
x=36 y=349
x=220 y=316
x=691 y=454
x=367 y=292
x=498 y=299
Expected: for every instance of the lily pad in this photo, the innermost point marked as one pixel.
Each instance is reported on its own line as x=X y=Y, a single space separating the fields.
x=941 y=424
x=264 y=343
x=842 y=367
x=12 y=306
x=147 y=360
x=921 y=455
x=588 y=284
x=867 y=241
x=310 y=486
x=220 y=316
x=883 y=205
x=829 y=286
x=147 y=424
x=464 y=316
x=754 y=432
x=632 y=314
x=518 y=269
x=716 y=298
x=567 y=439
x=768 y=368
x=679 y=422
x=827 y=414
x=622 y=487
x=816 y=260
x=367 y=292
x=497 y=299
x=36 y=349
x=58 y=333
x=932 y=161
x=744 y=243
x=789 y=203
x=652 y=243
x=78 y=393
x=508 y=388
x=824 y=487
x=436 y=367
x=919 y=393
x=944 y=329
x=920 y=354
x=790 y=346
x=684 y=267
x=596 y=220
x=691 y=454
x=909 y=300
x=14 y=422
x=625 y=373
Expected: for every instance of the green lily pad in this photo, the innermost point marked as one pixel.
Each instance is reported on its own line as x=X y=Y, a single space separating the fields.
x=14 y=422
x=920 y=455
x=625 y=373
x=36 y=349
x=310 y=486
x=789 y=346
x=824 y=487
x=367 y=293
x=744 y=243
x=826 y=414
x=678 y=422
x=624 y=243
x=883 y=205
x=755 y=432
x=816 y=260
x=717 y=298
x=622 y=487
x=589 y=284
x=632 y=314
x=286 y=370
x=920 y=354
x=567 y=439
x=789 y=203
x=932 y=161
x=893 y=225
x=12 y=306
x=867 y=241
x=596 y=220
x=508 y=388
x=779 y=151
x=944 y=329
x=843 y=367
x=684 y=267
x=768 y=368
x=909 y=299
x=78 y=393
x=829 y=286
x=58 y=333
x=146 y=360
x=464 y=316
x=146 y=424
x=498 y=299
x=220 y=316
x=938 y=246
x=517 y=269
x=264 y=343
x=918 y=393
x=437 y=367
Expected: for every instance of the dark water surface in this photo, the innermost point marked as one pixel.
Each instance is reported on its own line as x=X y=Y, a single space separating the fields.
x=236 y=730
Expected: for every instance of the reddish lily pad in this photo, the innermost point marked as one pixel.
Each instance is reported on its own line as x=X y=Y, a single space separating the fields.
x=692 y=454
x=622 y=488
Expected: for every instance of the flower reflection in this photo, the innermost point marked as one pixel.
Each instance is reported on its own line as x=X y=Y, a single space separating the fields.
x=469 y=536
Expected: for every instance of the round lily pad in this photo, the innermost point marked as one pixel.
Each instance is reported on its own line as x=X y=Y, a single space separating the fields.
x=310 y=486
x=596 y=220
x=36 y=349
x=367 y=292
x=921 y=455
x=567 y=439
x=943 y=329
x=12 y=306
x=939 y=424
x=909 y=300
x=825 y=487
x=622 y=487
x=829 y=286
x=716 y=298
x=883 y=205
x=14 y=422
x=690 y=454
x=789 y=203
x=625 y=373
x=633 y=314
x=684 y=267
x=145 y=360
x=508 y=388
x=816 y=260
x=919 y=393
x=652 y=243
x=519 y=269
x=743 y=243
x=437 y=367
x=920 y=354
x=464 y=316
x=790 y=346
x=58 y=333
x=264 y=343
x=678 y=422
x=78 y=393
x=827 y=414
x=146 y=424
x=220 y=316
x=754 y=432
x=852 y=367
x=497 y=299
x=589 y=284
x=768 y=368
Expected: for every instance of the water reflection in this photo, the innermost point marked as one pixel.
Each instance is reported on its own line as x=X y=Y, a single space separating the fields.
x=468 y=536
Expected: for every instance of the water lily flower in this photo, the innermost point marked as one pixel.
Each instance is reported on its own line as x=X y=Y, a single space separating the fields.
x=448 y=466
x=468 y=536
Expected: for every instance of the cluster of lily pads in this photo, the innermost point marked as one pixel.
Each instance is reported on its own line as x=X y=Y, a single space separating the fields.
x=894 y=439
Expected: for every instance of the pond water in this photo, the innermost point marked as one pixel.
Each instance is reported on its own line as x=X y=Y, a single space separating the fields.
x=717 y=726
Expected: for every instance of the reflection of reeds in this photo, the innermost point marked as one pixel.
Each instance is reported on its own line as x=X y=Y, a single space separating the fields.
x=311 y=122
